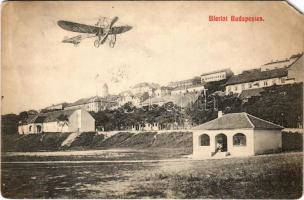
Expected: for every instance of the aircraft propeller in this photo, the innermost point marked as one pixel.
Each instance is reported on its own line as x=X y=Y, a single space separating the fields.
x=114 y=20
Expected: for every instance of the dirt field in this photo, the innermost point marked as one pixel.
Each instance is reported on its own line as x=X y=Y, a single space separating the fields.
x=268 y=176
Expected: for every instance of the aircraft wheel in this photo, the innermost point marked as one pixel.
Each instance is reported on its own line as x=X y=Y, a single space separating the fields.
x=96 y=43
x=112 y=44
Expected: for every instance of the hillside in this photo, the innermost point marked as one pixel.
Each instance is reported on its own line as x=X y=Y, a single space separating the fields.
x=141 y=140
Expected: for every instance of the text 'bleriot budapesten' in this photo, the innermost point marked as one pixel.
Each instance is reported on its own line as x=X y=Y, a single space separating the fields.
x=233 y=18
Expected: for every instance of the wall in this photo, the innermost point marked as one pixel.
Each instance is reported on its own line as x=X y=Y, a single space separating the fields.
x=24 y=129
x=238 y=88
x=267 y=141
x=55 y=127
x=296 y=70
x=213 y=77
x=87 y=122
x=205 y=151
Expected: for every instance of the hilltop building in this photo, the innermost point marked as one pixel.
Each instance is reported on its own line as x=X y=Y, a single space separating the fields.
x=58 y=121
x=59 y=106
x=216 y=75
x=253 y=79
x=273 y=73
x=163 y=91
x=184 y=83
x=296 y=70
x=129 y=97
x=236 y=134
x=188 y=88
x=105 y=90
x=280 y=63
x=144 y=87
x=93 y=104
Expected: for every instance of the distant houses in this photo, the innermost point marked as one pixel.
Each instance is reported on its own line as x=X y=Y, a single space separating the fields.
x=189 y=88
x=185 y=93
x=253 y=79
x=274 y=73
x=73 y=120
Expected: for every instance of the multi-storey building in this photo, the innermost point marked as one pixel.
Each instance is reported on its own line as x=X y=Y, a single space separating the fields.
x=255 y=78
x=216 y=75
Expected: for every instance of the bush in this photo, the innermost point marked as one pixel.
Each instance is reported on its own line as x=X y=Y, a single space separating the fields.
x=292 y=141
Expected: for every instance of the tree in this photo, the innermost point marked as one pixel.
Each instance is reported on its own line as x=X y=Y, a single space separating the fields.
x=9 y=124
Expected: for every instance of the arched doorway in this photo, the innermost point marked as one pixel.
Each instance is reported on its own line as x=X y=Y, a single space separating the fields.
x=221 y=141
x=39 y=128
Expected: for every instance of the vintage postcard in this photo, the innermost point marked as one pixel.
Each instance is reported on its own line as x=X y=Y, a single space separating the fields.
x=151 y=99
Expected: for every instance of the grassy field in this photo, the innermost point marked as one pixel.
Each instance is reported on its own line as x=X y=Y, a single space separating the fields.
x=269 y=176
x=104 y=155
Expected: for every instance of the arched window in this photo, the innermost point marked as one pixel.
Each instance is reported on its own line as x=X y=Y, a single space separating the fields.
x=39 y=128
x=205 y=140
x=239 y=139
x=30 y=128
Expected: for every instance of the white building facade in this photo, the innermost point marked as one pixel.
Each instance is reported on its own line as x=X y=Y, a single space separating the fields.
x=236 y=134
x=216 y=75
x=254 y=79
x=78 y=120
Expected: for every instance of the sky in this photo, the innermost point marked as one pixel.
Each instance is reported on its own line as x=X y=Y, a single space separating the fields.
x=169 y=41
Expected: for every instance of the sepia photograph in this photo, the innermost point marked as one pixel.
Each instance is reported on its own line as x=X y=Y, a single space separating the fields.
x=152 y=100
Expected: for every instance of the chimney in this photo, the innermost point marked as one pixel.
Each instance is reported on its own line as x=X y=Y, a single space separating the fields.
x=219 y=114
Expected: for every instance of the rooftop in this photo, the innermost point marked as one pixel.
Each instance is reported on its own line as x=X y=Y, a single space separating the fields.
x=227 y=70
x=238 y=121
x=85 y=101
x=54 y=116
x=257 y=74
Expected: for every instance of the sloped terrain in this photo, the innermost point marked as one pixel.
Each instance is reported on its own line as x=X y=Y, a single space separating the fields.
x=140 y=140
x=33 y=142
x=173 y=140
x=84 y=140
x=115 y=140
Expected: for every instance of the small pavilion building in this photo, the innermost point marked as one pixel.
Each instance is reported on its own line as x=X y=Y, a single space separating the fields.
x=236 y=134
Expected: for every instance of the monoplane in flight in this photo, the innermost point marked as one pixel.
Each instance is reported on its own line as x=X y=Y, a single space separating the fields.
x=104 y=30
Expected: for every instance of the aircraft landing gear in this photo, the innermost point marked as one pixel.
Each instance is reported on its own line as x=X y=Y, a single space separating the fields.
x=112 y=41
x=96 y=43
x=111 y=44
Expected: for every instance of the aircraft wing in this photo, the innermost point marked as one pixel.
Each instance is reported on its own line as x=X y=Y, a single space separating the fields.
x=120 y=29
x=76 y=27
x=77 y=39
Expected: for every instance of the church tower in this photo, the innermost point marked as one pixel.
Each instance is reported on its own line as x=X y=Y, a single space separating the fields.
x=105 y=90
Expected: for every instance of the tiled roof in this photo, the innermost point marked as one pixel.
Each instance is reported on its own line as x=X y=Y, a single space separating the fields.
x=57 y=115
x=85 y=101
x=227 y=70
x=237 y=121
x=49 y=116
x=255 y=75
